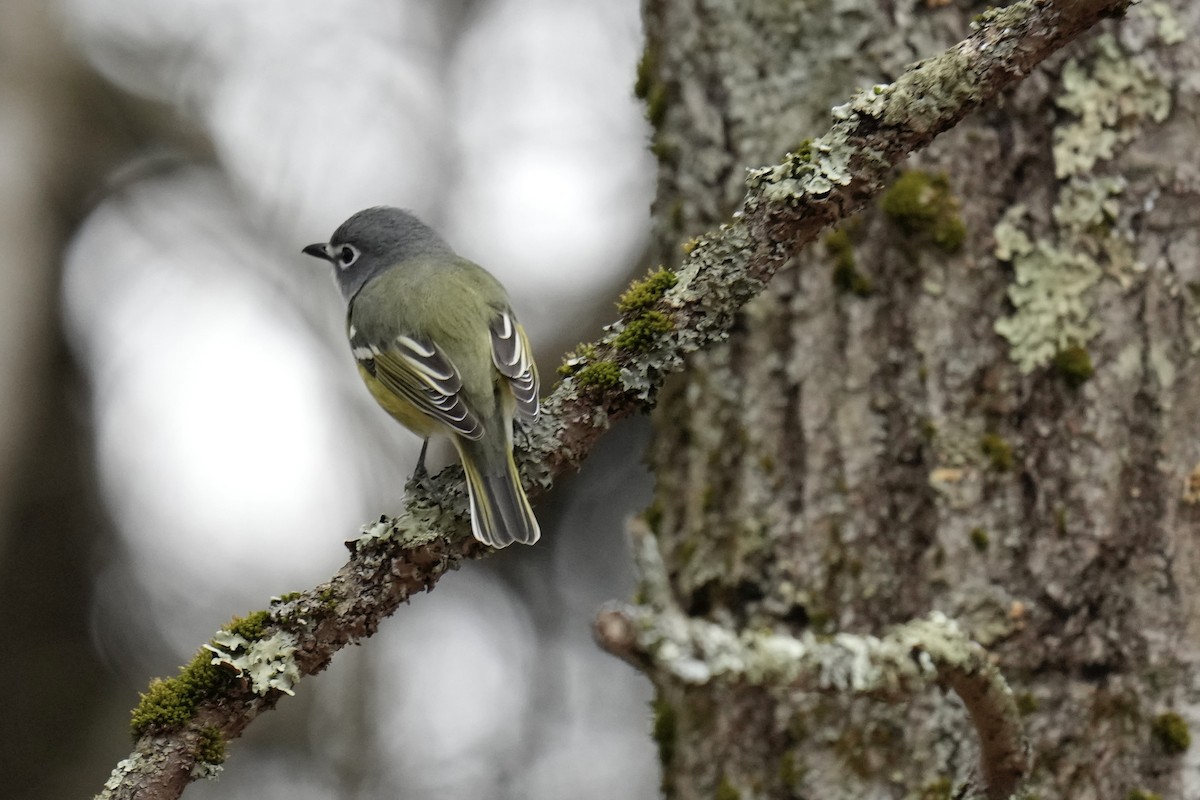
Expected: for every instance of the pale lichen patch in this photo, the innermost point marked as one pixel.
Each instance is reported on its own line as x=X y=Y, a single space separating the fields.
x=1055 y=275
x=823 y=164
x=1170 y=29
x=1110 y=96
x=1050 y=295
x=268 y=663
x=128 y=766
x=203 y=770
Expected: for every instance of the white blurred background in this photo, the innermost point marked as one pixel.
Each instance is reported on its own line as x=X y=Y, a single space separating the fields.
x=183 y=434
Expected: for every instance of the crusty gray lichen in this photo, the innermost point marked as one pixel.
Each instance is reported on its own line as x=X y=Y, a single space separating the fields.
x=133 y=765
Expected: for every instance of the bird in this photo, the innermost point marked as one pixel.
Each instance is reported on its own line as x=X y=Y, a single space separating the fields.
x=440 y=349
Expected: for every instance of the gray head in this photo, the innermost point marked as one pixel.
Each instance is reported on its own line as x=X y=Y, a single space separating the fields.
x=372 y=241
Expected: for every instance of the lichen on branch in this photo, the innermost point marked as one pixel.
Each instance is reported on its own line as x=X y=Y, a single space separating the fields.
x=658 y=637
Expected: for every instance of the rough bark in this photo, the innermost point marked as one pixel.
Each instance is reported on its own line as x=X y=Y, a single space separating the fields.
x=978 y=398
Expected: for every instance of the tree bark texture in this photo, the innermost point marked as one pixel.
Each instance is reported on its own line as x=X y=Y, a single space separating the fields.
x=978 y=397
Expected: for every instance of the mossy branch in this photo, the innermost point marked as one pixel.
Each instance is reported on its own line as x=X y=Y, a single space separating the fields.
x=786 y=207
x=658 y=637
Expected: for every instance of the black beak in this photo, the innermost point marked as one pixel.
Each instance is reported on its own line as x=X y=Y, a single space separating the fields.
x=319 y=250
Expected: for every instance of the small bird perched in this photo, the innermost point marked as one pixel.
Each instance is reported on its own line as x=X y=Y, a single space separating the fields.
x=440 y=349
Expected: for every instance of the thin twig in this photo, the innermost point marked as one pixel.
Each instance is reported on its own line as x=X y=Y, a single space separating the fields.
x=657 y=636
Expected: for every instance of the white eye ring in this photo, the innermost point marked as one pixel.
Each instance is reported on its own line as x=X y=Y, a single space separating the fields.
x=347 y=255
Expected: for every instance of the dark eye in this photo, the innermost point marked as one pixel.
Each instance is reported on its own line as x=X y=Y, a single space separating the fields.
x=347 y=256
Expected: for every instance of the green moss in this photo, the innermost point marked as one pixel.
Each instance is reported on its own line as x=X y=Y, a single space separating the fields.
x=1142 y=794
x=645 y=74
x=677 y=215
x=251 y=627
x=941 y=789
x=939 y=557
x=644 y=294
x=647 y=88
x=576 y=359
x=664 y=151
x=922 y=206
x=804 y=150
x=601 y=375
x=653 y=515
x=644 y=332
x=210 y=749
x=1074 y=365
x=656 y=104
x=998 y=452
x=908 y=202
x=171 y=702
x=664 y=731
x=686 y=552
x=979 y=539
x=929 y=430
x=846 y=276
x=950 y=237
x=790 y=772
x=725 y=790
x=289 y=597
x=1172 y=733
x=1026 y=703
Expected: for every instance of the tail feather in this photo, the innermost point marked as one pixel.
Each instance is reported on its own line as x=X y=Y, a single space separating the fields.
x=500 y=512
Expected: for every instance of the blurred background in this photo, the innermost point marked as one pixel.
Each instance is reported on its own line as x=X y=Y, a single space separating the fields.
x=182 y=432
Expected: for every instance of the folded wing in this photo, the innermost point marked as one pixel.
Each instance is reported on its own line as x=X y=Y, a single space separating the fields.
x=513 y=359
x=421 y=374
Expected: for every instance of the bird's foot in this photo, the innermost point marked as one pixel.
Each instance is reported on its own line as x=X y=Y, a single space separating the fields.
x=420 y=476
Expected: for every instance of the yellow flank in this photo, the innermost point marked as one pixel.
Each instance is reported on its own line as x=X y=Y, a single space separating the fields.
x=403 y=411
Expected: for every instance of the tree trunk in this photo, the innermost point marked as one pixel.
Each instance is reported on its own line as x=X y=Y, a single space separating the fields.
x=977 y=398
x=61 y=138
